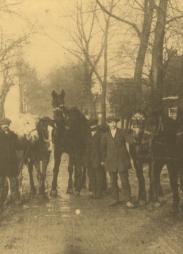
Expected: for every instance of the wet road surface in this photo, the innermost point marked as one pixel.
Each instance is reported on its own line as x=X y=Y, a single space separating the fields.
x=78 y=225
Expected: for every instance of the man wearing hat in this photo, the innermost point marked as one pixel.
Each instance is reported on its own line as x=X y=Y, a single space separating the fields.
x=8 y=159
x=116 y=159
x=92 y=160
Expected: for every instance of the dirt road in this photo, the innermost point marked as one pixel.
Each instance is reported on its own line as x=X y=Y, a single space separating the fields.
x=79 y=225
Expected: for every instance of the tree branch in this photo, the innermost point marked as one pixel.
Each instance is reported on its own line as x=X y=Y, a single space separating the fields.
x=133 y=25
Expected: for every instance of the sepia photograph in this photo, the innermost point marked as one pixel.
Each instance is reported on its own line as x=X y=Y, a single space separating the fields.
x=91 y=127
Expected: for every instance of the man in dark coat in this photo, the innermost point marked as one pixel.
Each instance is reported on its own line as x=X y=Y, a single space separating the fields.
x=116 y=159
x=8 y=159
x=92 y=160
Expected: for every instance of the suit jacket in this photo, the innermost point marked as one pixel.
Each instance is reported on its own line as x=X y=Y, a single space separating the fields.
x=92 y=156
x=8 y=160
x=114 y=151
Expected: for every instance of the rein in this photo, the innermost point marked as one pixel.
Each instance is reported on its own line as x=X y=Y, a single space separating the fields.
x=179 y=133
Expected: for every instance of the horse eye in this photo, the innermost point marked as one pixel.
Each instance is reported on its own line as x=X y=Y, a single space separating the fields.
x=27 y=122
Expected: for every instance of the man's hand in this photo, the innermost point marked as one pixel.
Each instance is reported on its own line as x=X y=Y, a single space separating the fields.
x=103 y=163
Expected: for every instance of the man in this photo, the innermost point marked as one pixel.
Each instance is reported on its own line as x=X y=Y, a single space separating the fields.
x=8 y=159
x=116 y=159
x=92 y=160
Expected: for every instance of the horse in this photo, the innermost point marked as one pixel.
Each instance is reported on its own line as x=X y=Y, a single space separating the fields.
x=179 y=144
x=70 y=138
x=35 y=142
x=159 y=138
x=37 y=151
x=140 y=155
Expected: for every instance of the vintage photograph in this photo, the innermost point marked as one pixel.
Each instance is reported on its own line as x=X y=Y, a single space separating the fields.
x=91 y=127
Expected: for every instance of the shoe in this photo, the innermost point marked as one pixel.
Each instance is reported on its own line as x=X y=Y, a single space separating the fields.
x=114 y=203
x=130 y=205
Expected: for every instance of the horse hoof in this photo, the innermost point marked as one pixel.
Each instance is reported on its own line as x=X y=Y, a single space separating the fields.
x=69 y=191
x=33 y=190
x=53 y=193
x=19 y=201
x=156 y=205
x=174 y=210
x=76 y=193
x=142 y=202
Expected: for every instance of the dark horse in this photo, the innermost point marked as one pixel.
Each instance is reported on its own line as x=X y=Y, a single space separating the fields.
x=37 y=151
x=159 y=138
x=179 y=143
x=140 y=154
x=70 y=138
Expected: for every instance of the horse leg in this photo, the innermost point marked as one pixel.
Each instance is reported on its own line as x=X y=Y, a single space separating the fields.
x=141 y=180
x=78 y=172
x=30 y=169
x=2 y=180
x=20 y=186
x=83 y=178
x=39 y=176
x=172 y=169
x=57 y=159
x=155 y=181
x=45 y=162
x=70 y=171
x=9 y=194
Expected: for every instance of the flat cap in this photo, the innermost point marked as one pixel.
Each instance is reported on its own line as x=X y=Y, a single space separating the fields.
x=93 y=122
x=5 y=121
x=112 y=118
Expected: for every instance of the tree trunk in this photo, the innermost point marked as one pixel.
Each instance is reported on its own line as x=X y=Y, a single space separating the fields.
x=2 y=101
x=157 y=56
x=144 y=39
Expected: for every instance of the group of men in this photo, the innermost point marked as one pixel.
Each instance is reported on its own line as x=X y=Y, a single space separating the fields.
x=108 y=152
x=104 y=152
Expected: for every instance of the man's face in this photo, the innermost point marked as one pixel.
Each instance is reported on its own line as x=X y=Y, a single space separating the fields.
x=112 y=125
x=5 y=127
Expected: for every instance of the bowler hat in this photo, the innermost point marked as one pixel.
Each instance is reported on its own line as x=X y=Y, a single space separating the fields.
x=112 y=118
x=5 y=121
x=93 y=122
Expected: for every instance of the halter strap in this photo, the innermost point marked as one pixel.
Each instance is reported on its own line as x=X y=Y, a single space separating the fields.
x=32 y=131
x=179 y=133
x=55 y=109
x=148 y=132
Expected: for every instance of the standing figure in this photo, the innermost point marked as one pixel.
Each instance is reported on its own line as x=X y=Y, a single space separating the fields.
x=116 y=159
x=92 y=160
x=8 y=160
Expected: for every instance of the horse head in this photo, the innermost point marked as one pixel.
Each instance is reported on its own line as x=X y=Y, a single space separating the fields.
x=46 y=127
x=137 y=125
x=179 y=134
x=153 y=127
x=25 y=126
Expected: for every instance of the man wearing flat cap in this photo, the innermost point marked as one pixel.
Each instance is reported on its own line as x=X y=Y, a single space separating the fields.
x=92 y=159
x=116 y=159
x=8 y=159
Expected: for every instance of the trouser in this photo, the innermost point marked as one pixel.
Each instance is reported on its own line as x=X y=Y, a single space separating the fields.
x=125 y=185
x=13 y=188
x=96 y=180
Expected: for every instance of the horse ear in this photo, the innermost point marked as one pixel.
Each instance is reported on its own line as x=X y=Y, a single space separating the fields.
x=63 y=94
x=54 y=94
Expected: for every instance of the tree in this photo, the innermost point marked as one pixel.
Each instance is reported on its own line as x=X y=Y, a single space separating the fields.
x=9 y=49
x=143 y=35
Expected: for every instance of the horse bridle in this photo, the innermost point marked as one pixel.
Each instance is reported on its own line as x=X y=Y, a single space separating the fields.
x=159 y=127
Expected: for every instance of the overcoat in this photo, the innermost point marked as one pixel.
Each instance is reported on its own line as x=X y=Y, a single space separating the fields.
x=114 y=151
x=8 y=160
x=92 y=155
